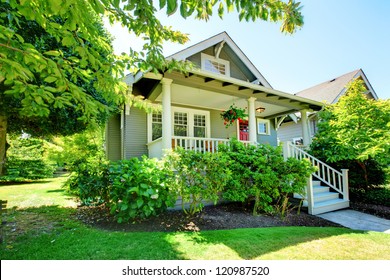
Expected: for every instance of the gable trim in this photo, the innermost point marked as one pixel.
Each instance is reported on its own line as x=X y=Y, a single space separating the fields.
x=359 y=74
x=222 y=37
x=364 y=77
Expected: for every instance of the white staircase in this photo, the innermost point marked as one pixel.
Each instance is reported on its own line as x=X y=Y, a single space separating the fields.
x=329 y=192
x=324 y=200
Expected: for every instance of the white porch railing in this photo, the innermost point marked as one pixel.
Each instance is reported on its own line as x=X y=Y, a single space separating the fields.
x=336 y=180
x=203 y=145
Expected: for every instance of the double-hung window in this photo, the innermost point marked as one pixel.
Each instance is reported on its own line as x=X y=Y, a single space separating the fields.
x=156 y=125
x=199 y=125
x=180 y=124
x=190 y=122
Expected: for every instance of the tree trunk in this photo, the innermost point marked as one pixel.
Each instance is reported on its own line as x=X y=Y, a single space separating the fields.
x=364 y=168
x=3 y=143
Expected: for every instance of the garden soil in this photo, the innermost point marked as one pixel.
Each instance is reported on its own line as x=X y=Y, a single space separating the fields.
x=226 y=216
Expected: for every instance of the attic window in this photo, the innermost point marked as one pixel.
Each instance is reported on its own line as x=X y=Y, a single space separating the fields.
x=214 y=65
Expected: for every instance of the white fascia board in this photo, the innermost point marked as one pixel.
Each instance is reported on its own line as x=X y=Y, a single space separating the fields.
x=153 y=76
x=132 y=79
x=361 y=74
x=342 y=92
x=255 y=87
x=182 y=55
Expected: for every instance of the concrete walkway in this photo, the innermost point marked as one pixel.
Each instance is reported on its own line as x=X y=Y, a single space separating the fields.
x=357 y=220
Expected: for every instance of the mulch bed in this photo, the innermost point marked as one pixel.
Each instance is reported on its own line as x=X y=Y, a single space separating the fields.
x=380 y=211
x=226 y=216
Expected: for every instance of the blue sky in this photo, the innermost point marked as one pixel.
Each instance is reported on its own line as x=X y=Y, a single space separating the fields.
x=338 y=37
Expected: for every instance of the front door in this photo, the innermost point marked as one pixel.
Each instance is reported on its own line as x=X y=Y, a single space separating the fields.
x=244 y=132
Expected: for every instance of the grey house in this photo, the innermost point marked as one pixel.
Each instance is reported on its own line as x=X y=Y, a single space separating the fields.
x=192 y=103
x=191 y=115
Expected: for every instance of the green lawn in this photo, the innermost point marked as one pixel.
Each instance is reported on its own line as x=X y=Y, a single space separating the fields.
x=43 y=227
x=42 y=193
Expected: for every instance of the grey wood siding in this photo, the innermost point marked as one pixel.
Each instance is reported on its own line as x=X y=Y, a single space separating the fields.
x=271 y=139
x=135 y=134
x=288 y=131
x=113 y=138
x=196 y=59
x=217 y=127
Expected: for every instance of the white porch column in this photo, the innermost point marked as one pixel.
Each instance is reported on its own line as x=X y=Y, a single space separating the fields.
x=166 y=114
x=252 y=120
x=124 y=114
x=305 y=128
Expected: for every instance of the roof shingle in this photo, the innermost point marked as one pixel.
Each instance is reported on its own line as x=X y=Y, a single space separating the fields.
x=331 y=90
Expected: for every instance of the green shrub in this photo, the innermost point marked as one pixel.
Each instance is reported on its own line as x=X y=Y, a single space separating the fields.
x=30 y=169
x=139 y=188
x=82 y=154
x=89 y=180
x=260 y=173
x=69 y=151
x=378 y=195
x=293 y=175
x=26 y=159
x=199 y=177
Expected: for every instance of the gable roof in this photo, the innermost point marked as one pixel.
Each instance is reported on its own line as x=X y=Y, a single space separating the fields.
x=222 y=37
x=330 y=91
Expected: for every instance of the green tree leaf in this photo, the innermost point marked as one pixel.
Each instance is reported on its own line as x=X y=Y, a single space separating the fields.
x=50 y=79
x=172 y=6
x=52 y=53
x=140 y=202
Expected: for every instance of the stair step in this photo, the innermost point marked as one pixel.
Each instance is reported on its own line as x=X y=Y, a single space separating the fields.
x=316 y=191
x=329 y=205
x=320 y=189
x=320 y=197
x=316 y=183
x=328 y=202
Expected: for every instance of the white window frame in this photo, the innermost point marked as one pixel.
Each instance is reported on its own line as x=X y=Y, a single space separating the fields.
x=150 y=127
x=313 y=126
x=267 y=126
x=205 y=57
x=297 y=141
x=190 y=121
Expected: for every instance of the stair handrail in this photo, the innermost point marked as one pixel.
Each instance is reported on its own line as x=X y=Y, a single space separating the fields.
x=335 y=179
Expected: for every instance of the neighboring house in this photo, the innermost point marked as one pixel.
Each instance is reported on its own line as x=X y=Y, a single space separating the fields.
x=328 y=92
x=191 y=111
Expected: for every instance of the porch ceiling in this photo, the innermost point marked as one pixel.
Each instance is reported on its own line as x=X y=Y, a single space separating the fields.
x=207 y=90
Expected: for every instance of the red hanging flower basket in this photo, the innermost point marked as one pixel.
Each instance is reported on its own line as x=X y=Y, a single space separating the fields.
x=232 y=114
